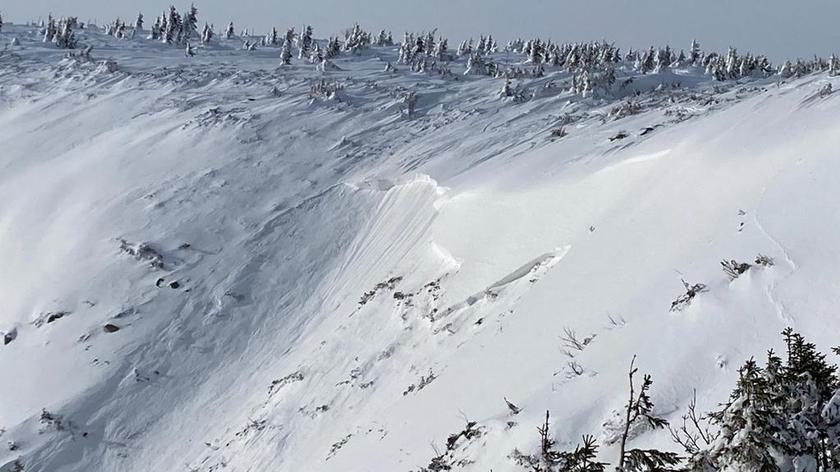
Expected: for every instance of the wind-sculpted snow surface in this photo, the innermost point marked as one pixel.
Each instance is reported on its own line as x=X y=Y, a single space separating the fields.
x=211 y=263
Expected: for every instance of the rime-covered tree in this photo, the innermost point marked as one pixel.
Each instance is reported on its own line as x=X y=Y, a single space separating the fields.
x=732 y=63
x=172 y=30
x=384 y=39
x=207 y=34
x=695 y=54
x=286 y=52
x=787 y=69
x=138 y=22
x=190 y=26
x=356 y=39
x=271 y=39
x=491 y=47
x=154 y=30
x=481 y=45
x=681 y=59
x=647 y=61
x=475 y=65
x=66 y=38
x=462 y=47
x=535 y=55
x=305 y=45
x=441 y=52
x=405 y=54
x=290 y=36
x=333 y=48
x=230 y=32
x=189 y=51
x=662 y=60
x=316 y=56
x=116 y=29
x=419 y=47
x=50 y=29
x=833 y=65
x=1 y=21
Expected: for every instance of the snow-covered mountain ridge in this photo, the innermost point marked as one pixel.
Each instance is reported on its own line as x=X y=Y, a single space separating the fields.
x=294 y=279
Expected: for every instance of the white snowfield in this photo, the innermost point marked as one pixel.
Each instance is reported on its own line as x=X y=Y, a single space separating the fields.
x=352 y=284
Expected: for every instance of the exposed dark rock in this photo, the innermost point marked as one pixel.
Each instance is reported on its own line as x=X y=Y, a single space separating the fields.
x=9 y=336
x=57 y=315
x=110 y=328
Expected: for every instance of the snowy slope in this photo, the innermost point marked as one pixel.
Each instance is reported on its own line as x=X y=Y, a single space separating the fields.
x=353 y=283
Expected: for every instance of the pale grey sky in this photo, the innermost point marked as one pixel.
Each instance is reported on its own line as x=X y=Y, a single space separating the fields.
x=779 y=28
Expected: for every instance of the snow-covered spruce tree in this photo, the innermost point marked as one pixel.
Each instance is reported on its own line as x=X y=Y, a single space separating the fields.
x=333 y=48
x=419 y=48
x=66 y=38
x=50 y=29
x=536 y=52
x=230 y=32
x=694 y=53
x=810 y=386
x=271 y=38
x=116 y=29
x=732 y=63
x=492 y=46
x=681 y=59
x=833 y=65
x=1 y=21
x=647 y=62
x=584 y=458
x=406 y=48
x=663 y=60
x=461 y=48
x=286 y=52
x=164 y=17
x=475 y=65
x=749 y=428
x=190 y=26
x=154 y=30
x=290 y=37
x=316 y=56
x=138 y=22
x=785 y=414
x=384 y=39
x=207 y=34
x=189 y=51
x=172 y=29
x=787 y=69
x=356 y=40
x=305 y=45
x=640 y=407
x=429 y=42
x=482 y=44
x=441 y=52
